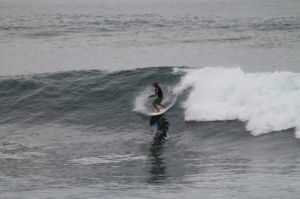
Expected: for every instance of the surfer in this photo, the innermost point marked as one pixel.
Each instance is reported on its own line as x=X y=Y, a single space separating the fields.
x=159 y=97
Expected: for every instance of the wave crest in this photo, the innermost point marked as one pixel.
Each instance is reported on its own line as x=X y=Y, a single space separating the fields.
x=265 y=101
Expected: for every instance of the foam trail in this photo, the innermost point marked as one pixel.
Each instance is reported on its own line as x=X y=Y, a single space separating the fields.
x=265 y=101
x=141 y=100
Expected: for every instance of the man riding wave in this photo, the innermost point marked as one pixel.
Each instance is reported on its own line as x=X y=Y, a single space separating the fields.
x=159 y=97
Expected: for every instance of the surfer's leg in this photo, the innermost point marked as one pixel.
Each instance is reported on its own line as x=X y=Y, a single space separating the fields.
x=156 y=104
x=162 y=105
x=159 y=102
x=155 y=107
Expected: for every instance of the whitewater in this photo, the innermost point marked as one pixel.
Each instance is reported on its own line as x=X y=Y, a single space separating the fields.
x=266 y=102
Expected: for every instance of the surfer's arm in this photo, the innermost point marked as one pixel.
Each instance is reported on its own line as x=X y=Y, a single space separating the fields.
x=152 y=95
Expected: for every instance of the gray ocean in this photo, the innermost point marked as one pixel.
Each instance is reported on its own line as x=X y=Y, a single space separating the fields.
x=75 y=76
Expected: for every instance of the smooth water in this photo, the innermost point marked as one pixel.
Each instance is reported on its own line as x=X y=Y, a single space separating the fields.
x=75 y=77
x=47 y=36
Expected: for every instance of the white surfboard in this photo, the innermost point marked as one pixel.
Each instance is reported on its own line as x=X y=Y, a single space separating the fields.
x=162 y=111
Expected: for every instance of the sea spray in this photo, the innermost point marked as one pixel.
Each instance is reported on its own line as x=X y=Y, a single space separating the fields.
x=265 y=101
x=141 y=100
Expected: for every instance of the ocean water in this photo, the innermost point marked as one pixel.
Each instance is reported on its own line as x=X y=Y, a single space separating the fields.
x=75 y=77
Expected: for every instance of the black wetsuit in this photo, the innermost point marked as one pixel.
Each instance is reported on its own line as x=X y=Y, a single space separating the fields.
x=159 y=92
x=159 y=96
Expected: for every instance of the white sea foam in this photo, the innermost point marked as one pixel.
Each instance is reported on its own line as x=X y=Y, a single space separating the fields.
x=107 y=159
x=265 y=101
x=142 y=101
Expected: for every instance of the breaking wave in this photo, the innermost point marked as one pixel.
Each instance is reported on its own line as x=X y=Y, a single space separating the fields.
x=266 y=102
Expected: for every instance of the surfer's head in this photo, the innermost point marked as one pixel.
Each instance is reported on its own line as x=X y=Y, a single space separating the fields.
x=155 y=84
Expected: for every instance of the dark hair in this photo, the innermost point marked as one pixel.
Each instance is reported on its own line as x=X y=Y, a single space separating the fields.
x=155 y=83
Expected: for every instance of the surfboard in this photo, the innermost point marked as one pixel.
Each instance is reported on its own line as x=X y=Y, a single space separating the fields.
x=162 y=111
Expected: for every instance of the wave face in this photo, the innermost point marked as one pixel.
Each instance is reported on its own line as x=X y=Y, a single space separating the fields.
x=92 y=98
x=265 y=101
x=86 y=131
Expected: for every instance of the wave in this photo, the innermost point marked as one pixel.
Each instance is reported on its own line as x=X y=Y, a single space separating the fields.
x=93 y=97
x=266 y=102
